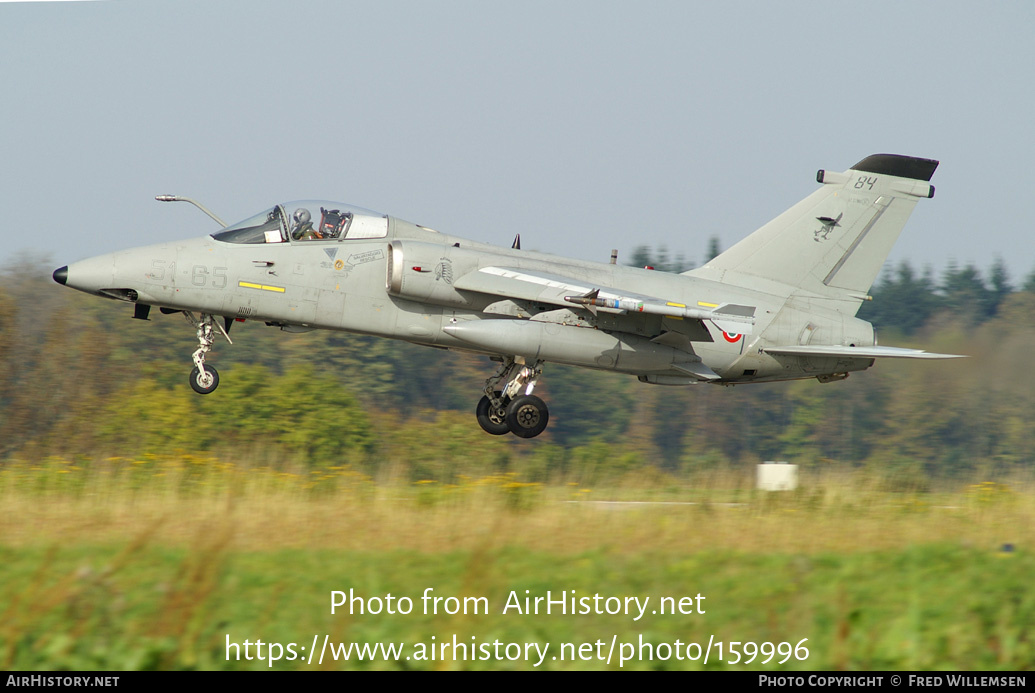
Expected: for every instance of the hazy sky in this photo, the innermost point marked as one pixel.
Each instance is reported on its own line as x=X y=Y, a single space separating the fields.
x=584 y=126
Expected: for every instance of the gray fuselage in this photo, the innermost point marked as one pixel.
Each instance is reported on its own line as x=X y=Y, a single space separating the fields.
x=408 y=284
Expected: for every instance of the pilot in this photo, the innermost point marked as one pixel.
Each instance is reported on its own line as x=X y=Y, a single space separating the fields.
x=301 y=228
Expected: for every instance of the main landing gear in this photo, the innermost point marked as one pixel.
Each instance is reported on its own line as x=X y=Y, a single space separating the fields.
x=513 y=408
x=204 y=379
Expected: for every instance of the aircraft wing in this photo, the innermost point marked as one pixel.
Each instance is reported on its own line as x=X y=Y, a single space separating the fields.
x=538 y=287
x=541 y=287
x=872 y=352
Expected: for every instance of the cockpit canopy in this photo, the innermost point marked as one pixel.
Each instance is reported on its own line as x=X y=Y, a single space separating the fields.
x=307 y=221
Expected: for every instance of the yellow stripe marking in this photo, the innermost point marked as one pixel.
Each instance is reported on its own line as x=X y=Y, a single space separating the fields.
x=262 y=287
x=708 y=305
x=677 y=305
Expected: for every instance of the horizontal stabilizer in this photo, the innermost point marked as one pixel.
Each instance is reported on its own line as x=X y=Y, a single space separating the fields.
x=873 y=352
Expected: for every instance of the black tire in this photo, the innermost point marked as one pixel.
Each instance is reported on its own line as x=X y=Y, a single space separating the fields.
x=199 y=386
x=492 y=421
x=527 y=416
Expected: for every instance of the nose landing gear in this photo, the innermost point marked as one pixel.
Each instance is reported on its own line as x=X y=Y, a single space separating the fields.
x=204 y=380
x=513 y=409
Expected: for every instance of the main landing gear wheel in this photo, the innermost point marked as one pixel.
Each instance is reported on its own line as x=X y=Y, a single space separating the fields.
x=508 y=404
x=527 y=416
x=491 y=419
x=204 y=383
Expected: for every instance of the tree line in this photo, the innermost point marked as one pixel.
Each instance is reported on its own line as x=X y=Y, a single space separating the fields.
x=79 y=377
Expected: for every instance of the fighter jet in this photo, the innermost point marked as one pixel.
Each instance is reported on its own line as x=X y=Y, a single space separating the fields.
x=778 y=305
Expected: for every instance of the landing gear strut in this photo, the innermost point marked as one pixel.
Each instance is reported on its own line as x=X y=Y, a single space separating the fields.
x=513 y=408
x=204 y=379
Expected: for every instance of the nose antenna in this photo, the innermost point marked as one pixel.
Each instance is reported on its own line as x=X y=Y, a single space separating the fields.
x=203 y=208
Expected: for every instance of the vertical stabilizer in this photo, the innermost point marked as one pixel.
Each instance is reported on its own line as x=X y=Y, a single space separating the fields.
x=834 y=242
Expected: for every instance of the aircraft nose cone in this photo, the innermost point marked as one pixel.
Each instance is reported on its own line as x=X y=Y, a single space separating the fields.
x=61 y=275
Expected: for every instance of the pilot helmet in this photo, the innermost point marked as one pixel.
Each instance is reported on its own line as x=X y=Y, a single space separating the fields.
x=301 y=216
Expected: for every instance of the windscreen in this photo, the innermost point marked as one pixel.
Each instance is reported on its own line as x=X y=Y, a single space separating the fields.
x=266 y=227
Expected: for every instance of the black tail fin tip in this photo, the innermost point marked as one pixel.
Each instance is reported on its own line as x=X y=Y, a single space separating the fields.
x=898 y=165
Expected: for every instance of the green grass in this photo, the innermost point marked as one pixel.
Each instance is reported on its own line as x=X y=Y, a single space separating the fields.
x=153 y=564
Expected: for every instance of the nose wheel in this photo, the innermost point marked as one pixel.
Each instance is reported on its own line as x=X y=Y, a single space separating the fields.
x=513 y=408
x=204 y=382
x=204 y=379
